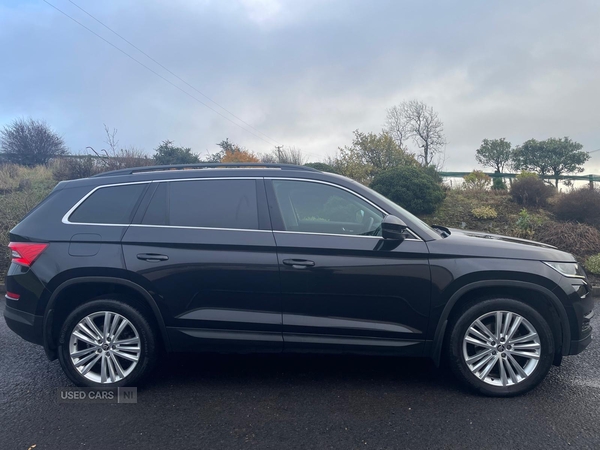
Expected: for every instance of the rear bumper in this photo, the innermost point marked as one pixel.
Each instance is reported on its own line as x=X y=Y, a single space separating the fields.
x=28 y=326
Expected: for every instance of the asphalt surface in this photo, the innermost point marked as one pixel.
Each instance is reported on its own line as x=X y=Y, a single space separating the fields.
x=284 y=402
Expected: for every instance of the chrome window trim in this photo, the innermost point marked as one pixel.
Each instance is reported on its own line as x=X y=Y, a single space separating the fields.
x=185 y=227
x=66 y=220
x=356 y=194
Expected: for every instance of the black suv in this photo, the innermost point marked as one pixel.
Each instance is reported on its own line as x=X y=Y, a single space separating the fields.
x=109 y=270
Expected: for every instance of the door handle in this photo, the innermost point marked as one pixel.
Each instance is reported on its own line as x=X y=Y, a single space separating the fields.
x=152 y=257
x=299 y=263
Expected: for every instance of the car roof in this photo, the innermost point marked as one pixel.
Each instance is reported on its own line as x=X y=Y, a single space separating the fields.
x=203 y=170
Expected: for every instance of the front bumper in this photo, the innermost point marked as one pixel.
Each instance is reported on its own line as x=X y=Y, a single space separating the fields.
x=28 y=326
x=579 y=346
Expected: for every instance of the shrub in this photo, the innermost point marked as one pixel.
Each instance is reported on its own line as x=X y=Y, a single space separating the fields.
x=484 y=212
x=592 y=264
x=527 y=224
x=30 y=142
x=577 y=238
x=410 y=187
x=581 y=205
x=73 y=168
x=166 y=153
x=498 y=184
x=477 y=180
x=530 y=190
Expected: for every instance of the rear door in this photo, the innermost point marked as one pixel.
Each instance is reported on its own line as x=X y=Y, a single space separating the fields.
x=345 y=288
x=206 y=249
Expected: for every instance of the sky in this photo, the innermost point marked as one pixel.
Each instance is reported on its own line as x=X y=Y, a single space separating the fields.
x=303 y=73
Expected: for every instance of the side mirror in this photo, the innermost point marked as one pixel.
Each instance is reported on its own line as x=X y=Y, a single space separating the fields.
x=393 y=228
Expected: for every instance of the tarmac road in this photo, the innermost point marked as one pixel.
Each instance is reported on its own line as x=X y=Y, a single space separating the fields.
x=285 y=402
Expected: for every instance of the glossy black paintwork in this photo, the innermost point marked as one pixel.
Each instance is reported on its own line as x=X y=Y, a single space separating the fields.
x=353 y=290
x=230 y=290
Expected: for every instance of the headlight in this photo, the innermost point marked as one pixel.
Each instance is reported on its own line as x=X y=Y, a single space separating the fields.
x=568 y=269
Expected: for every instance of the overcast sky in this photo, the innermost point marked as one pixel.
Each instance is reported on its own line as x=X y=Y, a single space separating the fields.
x=305 y=73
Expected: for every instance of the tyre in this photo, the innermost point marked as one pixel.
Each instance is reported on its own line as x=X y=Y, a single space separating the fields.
x=500 y=347
x=106 y=343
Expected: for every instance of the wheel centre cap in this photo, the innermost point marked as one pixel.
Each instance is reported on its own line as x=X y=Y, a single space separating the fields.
x=105 y=347
x=500 y=348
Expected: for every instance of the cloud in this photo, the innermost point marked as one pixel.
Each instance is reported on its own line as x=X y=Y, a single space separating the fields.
x=305 y=73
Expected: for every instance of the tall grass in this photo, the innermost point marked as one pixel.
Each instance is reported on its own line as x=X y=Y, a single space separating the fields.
x=21 y=188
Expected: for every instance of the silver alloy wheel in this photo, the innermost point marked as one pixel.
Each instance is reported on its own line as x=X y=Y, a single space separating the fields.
x=104 y=347
x=501 y=348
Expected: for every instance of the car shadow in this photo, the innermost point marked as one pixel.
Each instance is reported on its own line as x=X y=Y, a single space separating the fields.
x=216 y=370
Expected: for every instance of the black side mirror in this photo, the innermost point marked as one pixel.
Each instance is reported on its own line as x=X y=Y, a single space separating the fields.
x=393 y=228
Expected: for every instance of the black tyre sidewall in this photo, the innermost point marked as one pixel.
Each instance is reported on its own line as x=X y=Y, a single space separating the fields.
x=470 y=314
x=147 y=341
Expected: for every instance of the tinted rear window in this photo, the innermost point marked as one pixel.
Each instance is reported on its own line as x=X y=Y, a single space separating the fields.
x=205 y=203
x=109 y=205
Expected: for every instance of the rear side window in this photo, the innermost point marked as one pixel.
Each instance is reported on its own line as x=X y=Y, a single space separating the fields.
x=205 y=203
x=114 y=205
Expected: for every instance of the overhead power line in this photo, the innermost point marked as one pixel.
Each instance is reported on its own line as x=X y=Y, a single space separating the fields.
x=162 y=77
x=174 y=74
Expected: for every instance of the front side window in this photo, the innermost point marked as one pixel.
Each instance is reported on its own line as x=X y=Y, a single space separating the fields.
x=205 y=204
x=320 y=208
x=109 y=205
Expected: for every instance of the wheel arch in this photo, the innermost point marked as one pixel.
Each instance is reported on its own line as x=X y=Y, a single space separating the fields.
x=529 y=293
x=94 y=287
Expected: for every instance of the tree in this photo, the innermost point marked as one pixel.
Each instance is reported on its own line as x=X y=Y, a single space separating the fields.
x=370 y=154
x=232 y=153
x=166 y=153
x=418 y=122
x=30 y=142
x=494 y=153
x=553 y=156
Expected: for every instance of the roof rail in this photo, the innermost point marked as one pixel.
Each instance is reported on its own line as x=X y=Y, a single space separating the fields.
x=133 y=170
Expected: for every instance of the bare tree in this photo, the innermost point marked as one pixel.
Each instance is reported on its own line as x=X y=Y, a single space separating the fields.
x=418 y=122
x=30 y=142
x=396 y=125
x=285 y=155
x=115 y=158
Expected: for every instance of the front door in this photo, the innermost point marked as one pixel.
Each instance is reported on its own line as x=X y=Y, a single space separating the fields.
x=206 y=250
x=345 y=288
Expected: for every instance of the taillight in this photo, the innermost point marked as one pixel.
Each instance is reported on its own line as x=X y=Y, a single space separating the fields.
x=25 y=253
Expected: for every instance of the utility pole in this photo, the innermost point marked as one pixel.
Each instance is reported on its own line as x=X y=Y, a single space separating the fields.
x=278 y=147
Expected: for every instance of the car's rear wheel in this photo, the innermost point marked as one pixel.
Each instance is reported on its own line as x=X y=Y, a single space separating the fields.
x=106 y=343
x=500 y=347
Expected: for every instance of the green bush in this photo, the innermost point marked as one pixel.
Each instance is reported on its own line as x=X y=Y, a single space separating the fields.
x=527 y=224
x=484 y=212
x=410 y=187
x=477 y=180
x=529 y=189
x=498 y=184
x=581 y=205
x=592 y=264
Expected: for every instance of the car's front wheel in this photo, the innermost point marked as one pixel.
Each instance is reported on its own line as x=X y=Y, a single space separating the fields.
x=500 y=347
x=106 y=343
